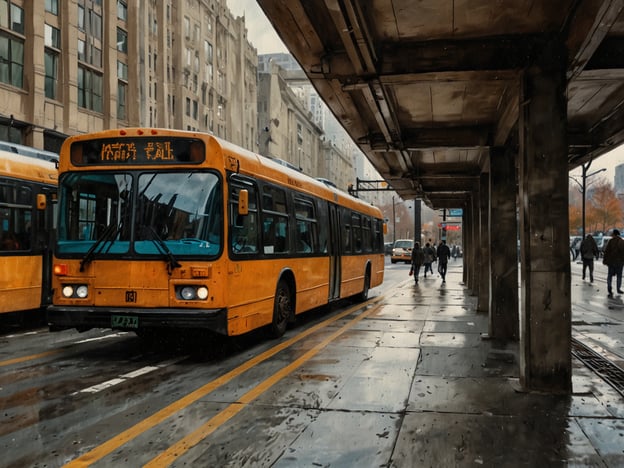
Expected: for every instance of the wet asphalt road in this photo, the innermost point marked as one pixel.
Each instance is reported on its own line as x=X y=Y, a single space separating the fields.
x=106 y=398
x=64 y=394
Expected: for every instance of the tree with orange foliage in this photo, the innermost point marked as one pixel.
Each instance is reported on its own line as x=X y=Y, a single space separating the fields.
x=603 y=207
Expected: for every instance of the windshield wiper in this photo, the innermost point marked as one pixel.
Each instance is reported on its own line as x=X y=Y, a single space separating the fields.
x=172 y=262
x=109 y=234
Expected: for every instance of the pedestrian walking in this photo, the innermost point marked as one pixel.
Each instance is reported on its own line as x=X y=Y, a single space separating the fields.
x=443 y=255
x=589 y=251
x=418 y=258
x=614 y=259
x=429 y=252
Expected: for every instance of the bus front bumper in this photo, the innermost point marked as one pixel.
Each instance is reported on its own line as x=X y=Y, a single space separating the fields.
x=123 y=318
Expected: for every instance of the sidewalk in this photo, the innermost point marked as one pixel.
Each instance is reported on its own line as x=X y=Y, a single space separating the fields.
x=463 y=409
x=598 y=321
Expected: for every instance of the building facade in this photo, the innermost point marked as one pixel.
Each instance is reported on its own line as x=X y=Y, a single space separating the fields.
x=77 y=66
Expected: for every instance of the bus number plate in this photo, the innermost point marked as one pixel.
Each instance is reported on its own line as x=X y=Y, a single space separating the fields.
x=124 y=321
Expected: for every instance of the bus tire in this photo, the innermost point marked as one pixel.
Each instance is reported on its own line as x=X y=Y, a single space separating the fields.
x=363 y=296
x=282 y=309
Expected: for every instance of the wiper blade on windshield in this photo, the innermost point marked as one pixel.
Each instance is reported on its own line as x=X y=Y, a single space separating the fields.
x=172 y=262
x=109 y=234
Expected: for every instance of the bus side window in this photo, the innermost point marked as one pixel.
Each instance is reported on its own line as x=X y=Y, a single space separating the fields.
x=281 y=239
x=15 y=216
x=275 y=220
x=243 y=228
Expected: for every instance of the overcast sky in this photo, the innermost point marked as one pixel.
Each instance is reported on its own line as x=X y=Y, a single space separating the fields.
x=260 y=31
x=264 y=38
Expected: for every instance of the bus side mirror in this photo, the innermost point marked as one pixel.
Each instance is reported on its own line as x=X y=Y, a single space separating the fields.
x=385 y=228
x=243 y=202
x=41 y=201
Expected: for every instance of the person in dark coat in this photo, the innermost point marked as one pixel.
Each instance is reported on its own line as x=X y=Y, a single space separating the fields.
x=418 y=258
x=443 y=255
x=614 y=259
x=589 y=251
x=429 y=252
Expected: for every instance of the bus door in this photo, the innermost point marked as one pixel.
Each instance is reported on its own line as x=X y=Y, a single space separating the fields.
x=334 y=252
x=44 y=240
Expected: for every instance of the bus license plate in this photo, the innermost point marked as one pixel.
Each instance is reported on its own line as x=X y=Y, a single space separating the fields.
x=124 y=321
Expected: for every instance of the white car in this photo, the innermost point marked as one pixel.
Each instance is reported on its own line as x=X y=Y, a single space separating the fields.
x=402 y=251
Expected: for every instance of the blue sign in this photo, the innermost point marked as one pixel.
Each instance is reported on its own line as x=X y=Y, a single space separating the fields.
x=456 y=212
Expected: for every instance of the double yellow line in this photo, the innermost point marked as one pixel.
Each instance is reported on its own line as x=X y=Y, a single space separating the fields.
x=185 y=444
x=18 y=360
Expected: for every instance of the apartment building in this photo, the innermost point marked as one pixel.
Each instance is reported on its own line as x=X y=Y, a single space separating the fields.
x=76 y=66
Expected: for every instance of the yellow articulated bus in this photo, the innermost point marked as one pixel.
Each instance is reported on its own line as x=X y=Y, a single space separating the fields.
x=167 y=229
x=28 y=179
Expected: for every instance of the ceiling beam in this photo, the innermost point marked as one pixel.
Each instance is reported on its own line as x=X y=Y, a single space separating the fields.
x=433 y=138
x=587 y=28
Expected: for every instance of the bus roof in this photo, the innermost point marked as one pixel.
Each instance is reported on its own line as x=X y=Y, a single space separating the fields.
x=274 y=170
x=233 y=158
x=28 y=151
x=20 y=167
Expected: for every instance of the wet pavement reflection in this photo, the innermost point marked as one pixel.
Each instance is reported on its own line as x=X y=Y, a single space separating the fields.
x=406 y=381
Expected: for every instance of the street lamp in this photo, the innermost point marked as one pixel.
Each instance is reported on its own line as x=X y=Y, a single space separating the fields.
x=583 y=185
x=394 y=217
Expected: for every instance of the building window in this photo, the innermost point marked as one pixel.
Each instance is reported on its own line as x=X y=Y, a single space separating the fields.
x=11 y=17
x=122 y=89
x=89 y=53
x=121 y=100
x=122 y=41
x=188 y=107
x=122 y=10
x=187 y=27
x=207 y=52
x=51 y=6
x=81 y=18
x=122 y=71
x=11 y=60
x=95 y=25
x=82 y=50
x=51 y=60
x=89 y=89
x=11 y=46
x=52 y=37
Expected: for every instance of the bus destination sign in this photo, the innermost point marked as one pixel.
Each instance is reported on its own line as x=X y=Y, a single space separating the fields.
x=141 y=150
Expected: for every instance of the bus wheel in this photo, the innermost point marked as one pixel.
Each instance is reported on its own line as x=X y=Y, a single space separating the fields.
x=282 y=309
x=363 y=296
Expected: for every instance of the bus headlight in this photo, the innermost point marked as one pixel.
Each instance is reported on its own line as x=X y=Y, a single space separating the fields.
x=79 y=291
x=82 y=291
x=202 y=293
x=191 y=292
x=187 y=293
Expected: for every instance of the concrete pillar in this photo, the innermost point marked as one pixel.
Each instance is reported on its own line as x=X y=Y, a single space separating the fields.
x=418 y=222
x=545 y=333
x=503 y=227
x=476 y=244
x=473 y=244
x=483 y=272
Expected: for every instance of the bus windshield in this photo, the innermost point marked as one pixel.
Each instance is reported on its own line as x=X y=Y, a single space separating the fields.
x=160 y=214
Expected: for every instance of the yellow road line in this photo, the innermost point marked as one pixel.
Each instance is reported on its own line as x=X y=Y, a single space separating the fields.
x=9 y=362
x=131 y=433
x=183 y=445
